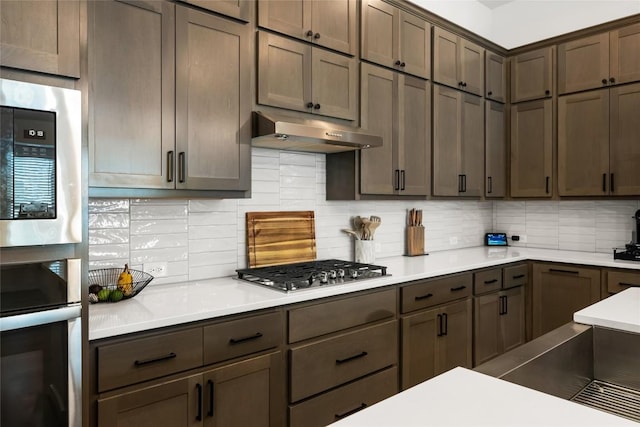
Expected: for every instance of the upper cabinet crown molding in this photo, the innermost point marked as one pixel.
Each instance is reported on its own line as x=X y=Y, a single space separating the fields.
x=395 y=39
x=328 y=23
x=458 y=62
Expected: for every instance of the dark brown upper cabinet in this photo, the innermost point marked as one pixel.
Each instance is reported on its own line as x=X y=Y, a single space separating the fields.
x=401 y=165
x=495 y=150
x=41 y=36
x=327 y=23
x=598 y=152
x=239 y=9
x=598 y=61
x=300 y=77
x=457 y=62
x=532 y=149
x=396 y=39
x=495 y=77
x=532 y=75
x=172 y=110
x=458 y=143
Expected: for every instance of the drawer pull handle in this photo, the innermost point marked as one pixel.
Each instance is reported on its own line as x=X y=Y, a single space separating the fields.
x=349 y=359
x=489 y=282
x=169 y=356
x=459 y=288
x=421 y=297
x=199 y=407
x=249 y=338
x=554 y=270
x=633 y=285
x=352 y=411
x=518 y=276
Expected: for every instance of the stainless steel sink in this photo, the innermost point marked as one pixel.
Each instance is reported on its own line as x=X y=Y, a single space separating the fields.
x=593 y=366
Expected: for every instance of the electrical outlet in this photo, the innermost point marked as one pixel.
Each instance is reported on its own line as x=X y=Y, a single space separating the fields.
x=453 y=240
x=156 y=269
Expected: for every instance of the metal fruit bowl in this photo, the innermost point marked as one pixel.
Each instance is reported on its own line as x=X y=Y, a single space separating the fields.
x=108 y=278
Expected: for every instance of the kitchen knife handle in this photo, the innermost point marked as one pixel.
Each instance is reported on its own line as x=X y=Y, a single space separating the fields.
x=244 y=339
x=350 y=358
x=170 y=163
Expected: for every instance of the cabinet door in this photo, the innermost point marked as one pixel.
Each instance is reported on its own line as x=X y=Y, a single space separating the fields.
x=583 y=64
x=486 y=328
x=334 y=24
x=472 y=146
x=471 y=67
x=623 y=142
x=446 y=141
x=213 y=107
x=415 y=45
x=512 y=326
x=446 y=57
x=239 y=9
x=380 y=32
x=495 y=77
x=559 y=291
x=583 y=144
x=377 y=175
x=42 y=36
x=291 y=17
x=132 y=94
x=174 y=403
x=532 y=75
x=455 y=342
x=414 y=135
x=495 y=150
x=419 y=334
x=284 y=72
x=531 y=149
x=246 y=393
x=334 y=84
x=624 y=63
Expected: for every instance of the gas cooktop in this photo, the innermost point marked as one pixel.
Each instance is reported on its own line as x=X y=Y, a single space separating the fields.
x=310 y=274
x=631 y=252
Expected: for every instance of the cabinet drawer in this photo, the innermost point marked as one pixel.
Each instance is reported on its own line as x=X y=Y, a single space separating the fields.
x=434 y=292
x=327 y=317
x=241 y=337
x=328 y=363
x=146 y=358
x=516 y=275
x=336 y=404
x=487 y=281
x=620 y=280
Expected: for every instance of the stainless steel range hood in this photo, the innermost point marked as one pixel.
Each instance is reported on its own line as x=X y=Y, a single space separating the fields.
x=291 y=133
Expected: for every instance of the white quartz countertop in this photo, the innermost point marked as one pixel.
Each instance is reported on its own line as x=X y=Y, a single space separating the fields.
x=167 y=305
x=461 y=397
x=620 y=311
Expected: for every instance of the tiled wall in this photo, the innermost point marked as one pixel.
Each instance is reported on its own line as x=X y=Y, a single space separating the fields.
x=206 y=238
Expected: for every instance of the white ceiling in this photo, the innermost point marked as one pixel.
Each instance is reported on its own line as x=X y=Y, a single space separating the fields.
x=515 y=23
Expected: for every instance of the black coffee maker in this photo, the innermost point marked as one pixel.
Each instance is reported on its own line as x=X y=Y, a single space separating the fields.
x=632 y=250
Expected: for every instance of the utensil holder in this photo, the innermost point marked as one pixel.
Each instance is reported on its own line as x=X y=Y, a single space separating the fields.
x=365 y=251
x=415 y=240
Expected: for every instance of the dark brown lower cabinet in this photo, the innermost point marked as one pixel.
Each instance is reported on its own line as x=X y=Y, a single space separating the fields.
x=560 y=290
x=238 y=394
x=498 y=323
x=436 y=340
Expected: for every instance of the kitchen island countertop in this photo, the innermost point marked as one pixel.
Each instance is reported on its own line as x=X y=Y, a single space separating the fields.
x=173 y=304
x=620 y=311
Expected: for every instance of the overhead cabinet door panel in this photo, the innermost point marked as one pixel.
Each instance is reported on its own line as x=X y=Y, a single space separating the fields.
x=583 y=64
x=624 y=140
x=625 y=54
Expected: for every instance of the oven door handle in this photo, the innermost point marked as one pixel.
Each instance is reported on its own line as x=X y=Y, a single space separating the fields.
x=40 y=318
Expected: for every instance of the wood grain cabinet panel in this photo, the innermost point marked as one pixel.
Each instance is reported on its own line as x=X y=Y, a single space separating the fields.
x=560 y=290
x=429 y=293
x=601 y=60
x=495 y=150
x=41 y=36
x=532 y=149
x=401 y=165
x=239 y=9
x=458 y=62
x=396 y=39
x=532 y=75
x=495 y=77
x=619 y=280
x=300 y=77
x=458 y=143
x=624 y=150
x=327 y=23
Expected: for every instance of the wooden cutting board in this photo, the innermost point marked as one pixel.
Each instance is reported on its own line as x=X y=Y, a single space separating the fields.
x=280 y=237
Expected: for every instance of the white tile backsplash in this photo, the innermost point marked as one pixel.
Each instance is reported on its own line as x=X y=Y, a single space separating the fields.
x=205 y=238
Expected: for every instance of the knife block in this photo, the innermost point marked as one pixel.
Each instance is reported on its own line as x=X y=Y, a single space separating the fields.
x=415 y=240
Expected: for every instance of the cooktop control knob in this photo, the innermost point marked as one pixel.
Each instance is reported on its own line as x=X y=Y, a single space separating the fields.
x=324 y=277
x=332 y=274
x=353 y=273
x=341 y=273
